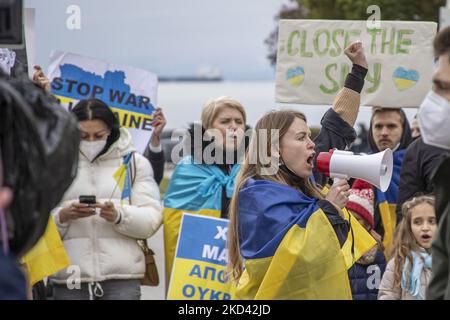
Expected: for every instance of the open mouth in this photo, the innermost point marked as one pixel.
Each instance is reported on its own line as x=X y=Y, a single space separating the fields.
x=310 y=160
x=426 y=237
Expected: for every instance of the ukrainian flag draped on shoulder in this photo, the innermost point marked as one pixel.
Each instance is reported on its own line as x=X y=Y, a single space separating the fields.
x=193 y=188
x=291 y=250
x=387 y=202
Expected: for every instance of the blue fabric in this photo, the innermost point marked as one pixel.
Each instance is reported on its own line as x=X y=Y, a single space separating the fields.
x=359 y=275
x=198 y=186
x=13 y=285
x=126 y=191
x=392 y=192
x=267 y=210
x=217 y=180
x=411 y=275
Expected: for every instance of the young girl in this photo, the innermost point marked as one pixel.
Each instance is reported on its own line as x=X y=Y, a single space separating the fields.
x=409 y=271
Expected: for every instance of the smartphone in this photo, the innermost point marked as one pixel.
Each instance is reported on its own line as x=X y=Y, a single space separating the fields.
x=87 y=199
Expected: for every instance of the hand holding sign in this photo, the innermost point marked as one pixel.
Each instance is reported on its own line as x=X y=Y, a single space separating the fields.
x=40 y=78
x=355 y=52
x=158 y=123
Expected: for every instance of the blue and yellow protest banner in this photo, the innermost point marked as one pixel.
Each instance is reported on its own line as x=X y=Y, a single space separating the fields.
x=201 y=257
x=130 y=92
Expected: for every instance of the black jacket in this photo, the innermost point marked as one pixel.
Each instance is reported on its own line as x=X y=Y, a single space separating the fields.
x=157 y=161
x=439 y=287
x=419 y=164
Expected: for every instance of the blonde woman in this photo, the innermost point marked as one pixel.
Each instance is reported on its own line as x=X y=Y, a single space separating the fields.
x=203 y=181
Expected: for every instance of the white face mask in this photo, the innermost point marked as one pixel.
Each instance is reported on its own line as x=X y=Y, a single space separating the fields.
x=92 y=148
x=434 y=120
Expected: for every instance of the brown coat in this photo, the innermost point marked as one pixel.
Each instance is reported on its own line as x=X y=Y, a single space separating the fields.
x=387 y=290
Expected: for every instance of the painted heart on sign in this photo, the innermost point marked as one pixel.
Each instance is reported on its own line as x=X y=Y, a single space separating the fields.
x=295 y=76
x=405 y=78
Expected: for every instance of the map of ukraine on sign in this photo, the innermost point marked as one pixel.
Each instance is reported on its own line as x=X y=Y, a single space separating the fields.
x=312 y=66
x=129 y=92
x=200 y=267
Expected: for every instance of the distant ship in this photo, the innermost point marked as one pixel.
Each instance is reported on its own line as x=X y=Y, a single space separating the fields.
x=204 y=74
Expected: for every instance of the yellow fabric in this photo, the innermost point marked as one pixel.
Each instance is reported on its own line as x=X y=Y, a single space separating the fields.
x=172 y=222
x=308 y=264
x=47 y=257
x=363 y=240
x=205 y=279
x=389 y=219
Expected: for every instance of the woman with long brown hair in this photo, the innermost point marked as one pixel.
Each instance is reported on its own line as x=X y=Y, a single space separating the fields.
x=287 y=239
x=289 y=233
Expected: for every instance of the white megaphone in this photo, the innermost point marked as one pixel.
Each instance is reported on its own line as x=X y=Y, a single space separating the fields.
x=375 y=169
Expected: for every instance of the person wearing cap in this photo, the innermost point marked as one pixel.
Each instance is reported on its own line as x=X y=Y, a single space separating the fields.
x=365 y=275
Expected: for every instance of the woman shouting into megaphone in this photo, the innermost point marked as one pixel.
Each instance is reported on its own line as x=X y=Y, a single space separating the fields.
x=291 y=234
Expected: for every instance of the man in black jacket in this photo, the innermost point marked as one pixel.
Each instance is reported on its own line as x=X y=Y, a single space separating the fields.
x=436 y=131
x=419 y=164
x=389 y=128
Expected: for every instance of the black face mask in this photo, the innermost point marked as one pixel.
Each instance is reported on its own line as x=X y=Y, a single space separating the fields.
x=292 y=175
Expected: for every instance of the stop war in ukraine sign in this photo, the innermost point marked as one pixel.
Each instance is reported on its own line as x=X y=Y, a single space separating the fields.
x=129 y=92
x=312 y=66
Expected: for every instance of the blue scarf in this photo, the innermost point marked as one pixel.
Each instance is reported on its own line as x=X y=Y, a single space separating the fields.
x=419 y=262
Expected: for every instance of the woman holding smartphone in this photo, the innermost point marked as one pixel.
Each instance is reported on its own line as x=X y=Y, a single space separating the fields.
x=100 y=235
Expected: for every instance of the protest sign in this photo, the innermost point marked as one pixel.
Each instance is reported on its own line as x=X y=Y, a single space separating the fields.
x=312 y=66
x=128 y=91
x=201 y=257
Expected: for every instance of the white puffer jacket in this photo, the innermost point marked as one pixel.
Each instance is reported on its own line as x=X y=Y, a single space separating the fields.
x=103 y=250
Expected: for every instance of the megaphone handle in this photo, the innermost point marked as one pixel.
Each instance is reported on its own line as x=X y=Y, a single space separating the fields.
x=336 y=180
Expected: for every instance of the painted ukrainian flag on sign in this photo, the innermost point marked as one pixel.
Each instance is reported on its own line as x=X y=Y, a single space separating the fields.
x=123 y=178
x=195 y=189
x=291 y=251
x=405 y=79
x=387 y=203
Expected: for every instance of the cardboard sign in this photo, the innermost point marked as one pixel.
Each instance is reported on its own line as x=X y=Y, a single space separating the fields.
x=312 y=66
x=128 y=91
x=201 y=257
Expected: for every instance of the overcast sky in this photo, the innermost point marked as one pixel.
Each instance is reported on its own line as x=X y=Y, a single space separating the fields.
x=168 y=37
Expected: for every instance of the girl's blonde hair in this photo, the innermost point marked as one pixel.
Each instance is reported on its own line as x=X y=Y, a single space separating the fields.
x=274 y=120
x=213 y=107
x=404 y=241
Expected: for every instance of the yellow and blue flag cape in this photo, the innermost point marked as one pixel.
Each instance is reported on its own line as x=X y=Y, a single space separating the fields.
x=387 y=203
x=123 y=178
x=47 y=257
x=290 y=249
x=193 y=188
